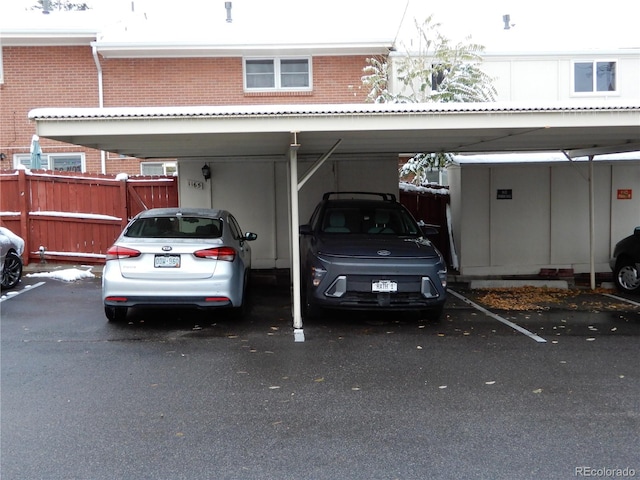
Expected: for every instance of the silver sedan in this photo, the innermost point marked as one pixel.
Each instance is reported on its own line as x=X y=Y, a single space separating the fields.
x=197 y=258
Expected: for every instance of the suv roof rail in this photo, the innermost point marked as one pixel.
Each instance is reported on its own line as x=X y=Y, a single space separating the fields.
x=387 y=197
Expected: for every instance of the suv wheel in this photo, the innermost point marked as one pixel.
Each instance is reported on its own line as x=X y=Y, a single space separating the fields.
x=627 y=276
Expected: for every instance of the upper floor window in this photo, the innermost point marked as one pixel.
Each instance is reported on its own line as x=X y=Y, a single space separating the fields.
x=277 y=74
x=62 y=162
x=593 y=77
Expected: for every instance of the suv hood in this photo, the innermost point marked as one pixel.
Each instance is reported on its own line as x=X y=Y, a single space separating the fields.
x=367 y=247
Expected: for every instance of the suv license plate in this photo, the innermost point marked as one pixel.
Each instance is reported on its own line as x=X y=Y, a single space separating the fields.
x=383 y=286
x=167 y=261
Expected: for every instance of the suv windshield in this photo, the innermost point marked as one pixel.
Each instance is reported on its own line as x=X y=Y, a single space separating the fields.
x=172 y=227
x=384 y=220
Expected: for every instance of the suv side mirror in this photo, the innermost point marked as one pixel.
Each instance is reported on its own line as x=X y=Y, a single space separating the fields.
x=429 y=230
x=305 y=229
x=250 y=236
x=636 y=231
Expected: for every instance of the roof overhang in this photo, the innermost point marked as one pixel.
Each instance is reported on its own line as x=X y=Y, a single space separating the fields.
x=254 y=131
x=208 y=50
x=47 y=38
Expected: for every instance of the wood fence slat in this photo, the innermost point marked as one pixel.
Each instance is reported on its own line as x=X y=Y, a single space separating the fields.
x=90 y=211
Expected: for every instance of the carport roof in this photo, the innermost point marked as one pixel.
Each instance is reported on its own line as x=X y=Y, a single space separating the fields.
x=265 y=130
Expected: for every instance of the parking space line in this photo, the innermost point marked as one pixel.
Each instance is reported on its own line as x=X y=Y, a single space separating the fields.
x=515 y=326
x=26 y=288
x=622 y=299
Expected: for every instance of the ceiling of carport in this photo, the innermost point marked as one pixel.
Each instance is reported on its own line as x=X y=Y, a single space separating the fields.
x=241 y=131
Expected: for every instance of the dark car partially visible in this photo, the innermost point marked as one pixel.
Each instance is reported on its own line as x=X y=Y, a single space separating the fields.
x=367 y=252
x=625 y=263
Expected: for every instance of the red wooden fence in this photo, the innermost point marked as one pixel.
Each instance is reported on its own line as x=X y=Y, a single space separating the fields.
x=431 y=208
x=74 y=216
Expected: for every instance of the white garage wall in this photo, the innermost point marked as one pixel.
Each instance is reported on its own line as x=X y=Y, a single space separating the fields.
x=257 y=193
x=521 y=220
x=546 y=222
x=625 y=213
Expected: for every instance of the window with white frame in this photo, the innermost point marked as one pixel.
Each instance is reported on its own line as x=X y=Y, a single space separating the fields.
x=594 y=77
x=158 y=168
x=62 y=162
x=277 y=74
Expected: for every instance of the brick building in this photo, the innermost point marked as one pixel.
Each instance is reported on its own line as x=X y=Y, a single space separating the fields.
x=78 y=59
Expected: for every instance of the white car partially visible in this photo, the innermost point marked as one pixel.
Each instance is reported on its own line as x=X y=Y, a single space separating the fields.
x=11 y=249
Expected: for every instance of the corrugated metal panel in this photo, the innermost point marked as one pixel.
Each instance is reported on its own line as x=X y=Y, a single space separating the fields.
x=318 y=110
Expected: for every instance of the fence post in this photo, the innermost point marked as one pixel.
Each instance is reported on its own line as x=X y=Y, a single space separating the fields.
x=124 y=207
x=25 y=207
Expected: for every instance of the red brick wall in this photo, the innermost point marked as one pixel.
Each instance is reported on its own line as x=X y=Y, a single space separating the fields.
x=44 y=77
x=219 y=81
x=37 y=77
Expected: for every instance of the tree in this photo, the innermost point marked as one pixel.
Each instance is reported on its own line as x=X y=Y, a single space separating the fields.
x=432 y=70
x=66 y=5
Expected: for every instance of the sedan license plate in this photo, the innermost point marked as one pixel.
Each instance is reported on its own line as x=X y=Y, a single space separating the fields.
x=167 y=261
x=384 y=286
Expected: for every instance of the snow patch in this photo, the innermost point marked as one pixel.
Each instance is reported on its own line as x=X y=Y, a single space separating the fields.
x=66 y=275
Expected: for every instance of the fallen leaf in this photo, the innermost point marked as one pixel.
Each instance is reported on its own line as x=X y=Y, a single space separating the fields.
x=537 y=390
x=318 y=380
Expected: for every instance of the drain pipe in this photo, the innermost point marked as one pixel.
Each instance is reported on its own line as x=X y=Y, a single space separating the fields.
x=96 y=59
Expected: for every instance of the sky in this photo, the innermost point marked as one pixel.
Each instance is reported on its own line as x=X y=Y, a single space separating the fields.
x=534 y=25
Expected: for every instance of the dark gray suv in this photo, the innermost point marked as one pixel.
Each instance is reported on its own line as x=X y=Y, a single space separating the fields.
x=625 y=263
x=363 y=250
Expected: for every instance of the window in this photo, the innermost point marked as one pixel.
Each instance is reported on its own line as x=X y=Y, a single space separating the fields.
x=158 y=168
x=277 y=74
x=63 y=162
x=593 y=77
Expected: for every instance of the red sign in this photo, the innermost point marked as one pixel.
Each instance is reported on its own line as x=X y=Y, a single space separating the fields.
x=624 y=193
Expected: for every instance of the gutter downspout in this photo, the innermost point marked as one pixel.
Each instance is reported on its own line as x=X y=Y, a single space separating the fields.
x=96 y=59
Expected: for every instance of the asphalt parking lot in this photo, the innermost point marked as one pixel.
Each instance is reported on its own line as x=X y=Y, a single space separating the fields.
x=547 y=392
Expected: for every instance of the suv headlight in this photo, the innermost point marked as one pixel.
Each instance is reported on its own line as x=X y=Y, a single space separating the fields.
x=317 y=274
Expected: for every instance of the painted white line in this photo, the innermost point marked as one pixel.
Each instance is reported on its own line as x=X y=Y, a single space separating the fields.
x=622 y=299
x=516 y=327
x=25 y=289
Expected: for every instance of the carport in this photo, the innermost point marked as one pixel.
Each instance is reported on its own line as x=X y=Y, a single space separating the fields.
x=225 y=133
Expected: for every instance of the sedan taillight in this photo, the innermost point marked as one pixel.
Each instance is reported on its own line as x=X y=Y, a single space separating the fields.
x=116 y=252
x=226 y=254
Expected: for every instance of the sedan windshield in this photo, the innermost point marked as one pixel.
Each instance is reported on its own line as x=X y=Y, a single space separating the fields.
x=382 y=220
x=175 y=227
